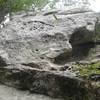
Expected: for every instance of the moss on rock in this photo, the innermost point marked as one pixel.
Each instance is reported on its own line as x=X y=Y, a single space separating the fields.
x=88 y=69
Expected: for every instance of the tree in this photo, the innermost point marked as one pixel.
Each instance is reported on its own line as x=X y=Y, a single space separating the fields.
x=4 y=8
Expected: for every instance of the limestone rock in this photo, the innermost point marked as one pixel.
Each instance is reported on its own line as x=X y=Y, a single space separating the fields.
x=9 y=93
x=42 y=38
x=31 y=47
x=53 y=84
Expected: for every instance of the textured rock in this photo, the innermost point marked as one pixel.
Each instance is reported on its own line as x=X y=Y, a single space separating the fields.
x=42 y=38
x=53 y=84
x=9 y=93
x=95 y=77
x=98 y=29
x=31 y=45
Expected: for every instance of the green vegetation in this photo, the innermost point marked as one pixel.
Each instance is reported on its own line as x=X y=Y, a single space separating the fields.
x=88 y=69
x=18 y=5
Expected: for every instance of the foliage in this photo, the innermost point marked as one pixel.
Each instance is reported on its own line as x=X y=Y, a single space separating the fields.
x=88 y=69
x=17 y=5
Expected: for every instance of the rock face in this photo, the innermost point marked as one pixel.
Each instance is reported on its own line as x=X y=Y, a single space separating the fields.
x=9 y=93
x=30 y=46
x=53 y=84
x=42 y=38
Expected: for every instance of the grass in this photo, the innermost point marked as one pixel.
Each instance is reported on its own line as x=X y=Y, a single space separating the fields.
x=88 y=69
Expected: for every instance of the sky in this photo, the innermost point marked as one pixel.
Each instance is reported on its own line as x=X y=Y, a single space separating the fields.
x=95 y=5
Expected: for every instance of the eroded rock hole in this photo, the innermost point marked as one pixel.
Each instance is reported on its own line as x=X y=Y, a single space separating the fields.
x=82 y=42
x=82 y=50
x=33 y=65
x=2 y=62
x=36 y=50
x=62 y=59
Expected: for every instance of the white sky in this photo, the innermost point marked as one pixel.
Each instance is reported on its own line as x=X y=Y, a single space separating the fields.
x=95 y=5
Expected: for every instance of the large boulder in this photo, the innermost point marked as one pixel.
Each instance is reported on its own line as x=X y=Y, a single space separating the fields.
x=54 y=84
x=31 y=45
x=43 y=38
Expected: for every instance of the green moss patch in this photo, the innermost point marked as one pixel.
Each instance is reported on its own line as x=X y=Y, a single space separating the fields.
x=88 y=69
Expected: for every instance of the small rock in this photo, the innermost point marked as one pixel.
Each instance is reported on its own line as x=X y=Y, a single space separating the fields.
x=95 y=77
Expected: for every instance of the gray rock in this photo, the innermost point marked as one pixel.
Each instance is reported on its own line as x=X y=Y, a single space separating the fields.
x=9 y=93
x=95 y=77
x=53 y=84
x=42 y=38
x=31 y=45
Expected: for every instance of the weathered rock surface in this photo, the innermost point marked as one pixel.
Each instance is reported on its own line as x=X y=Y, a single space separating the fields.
x=40 y=38
x=9 y=93
x=32 y=46
x=54 y=84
